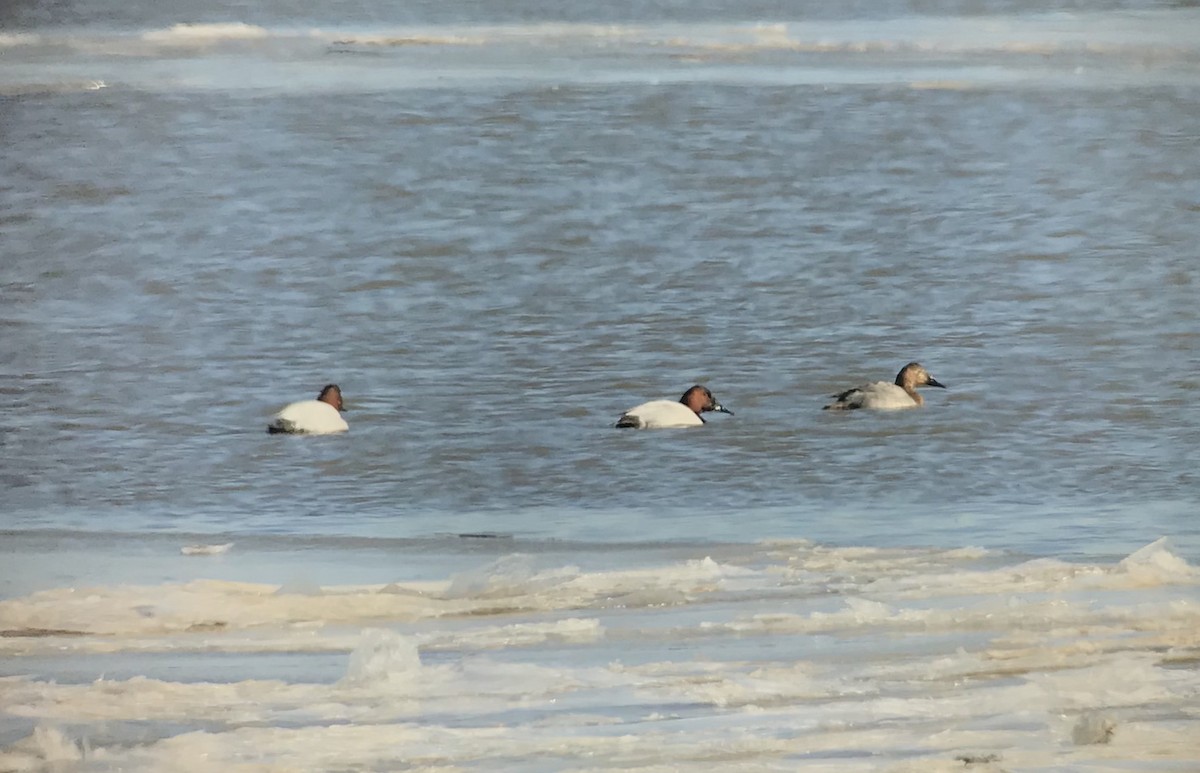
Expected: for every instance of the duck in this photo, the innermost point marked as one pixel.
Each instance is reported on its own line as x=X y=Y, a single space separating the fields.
x=312 y=417
x=664 y=414
x=885 y=396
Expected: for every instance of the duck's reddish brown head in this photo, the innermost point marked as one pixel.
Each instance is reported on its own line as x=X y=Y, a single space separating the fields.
x=332 y=394
x=699 y=399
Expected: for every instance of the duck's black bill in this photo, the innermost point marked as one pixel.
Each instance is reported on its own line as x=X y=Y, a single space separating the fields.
x=722 y=409
x=936 y=383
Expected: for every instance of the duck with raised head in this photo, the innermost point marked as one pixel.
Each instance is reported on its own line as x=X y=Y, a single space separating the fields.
x=664 y=414
x=885 y=396
x=312 y=417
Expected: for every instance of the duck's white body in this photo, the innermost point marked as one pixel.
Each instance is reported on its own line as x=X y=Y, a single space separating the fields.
x=880 y=395
x=309 y=417
x=661 y=414
x=667 y=414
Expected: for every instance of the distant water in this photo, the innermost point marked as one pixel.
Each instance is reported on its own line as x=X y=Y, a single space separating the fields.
x=497 y=226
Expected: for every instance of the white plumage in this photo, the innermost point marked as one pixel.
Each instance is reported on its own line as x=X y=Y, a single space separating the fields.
x=666 y=414
x=661 y=414
x=312 y=417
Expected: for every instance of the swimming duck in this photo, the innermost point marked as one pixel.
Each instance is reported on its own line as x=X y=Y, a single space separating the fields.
x=662 y=414
x=312 y=417
x=881 y=395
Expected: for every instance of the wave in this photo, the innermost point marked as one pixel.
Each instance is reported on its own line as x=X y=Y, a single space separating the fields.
x=68 y=86
x=903 y=657
x=883 y=589
x=1166 y=32
x=192 y=33
x=1087 y=50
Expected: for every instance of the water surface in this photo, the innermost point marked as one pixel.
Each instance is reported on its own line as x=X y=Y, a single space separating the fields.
x=497 y=228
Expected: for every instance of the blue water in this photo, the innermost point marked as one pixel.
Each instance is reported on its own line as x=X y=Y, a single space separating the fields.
x=493 y=275
x=499 y=229
x=498 y=226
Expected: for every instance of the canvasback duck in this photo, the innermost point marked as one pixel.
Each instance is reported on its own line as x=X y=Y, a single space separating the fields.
x=662 y=414
x=881 y=395
x=312 y=417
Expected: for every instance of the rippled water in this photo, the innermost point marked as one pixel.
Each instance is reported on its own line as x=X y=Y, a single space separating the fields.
x=493 y=277
x=497 y=229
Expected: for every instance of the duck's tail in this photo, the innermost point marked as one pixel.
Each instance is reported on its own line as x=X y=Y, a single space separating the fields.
x=844 y=401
